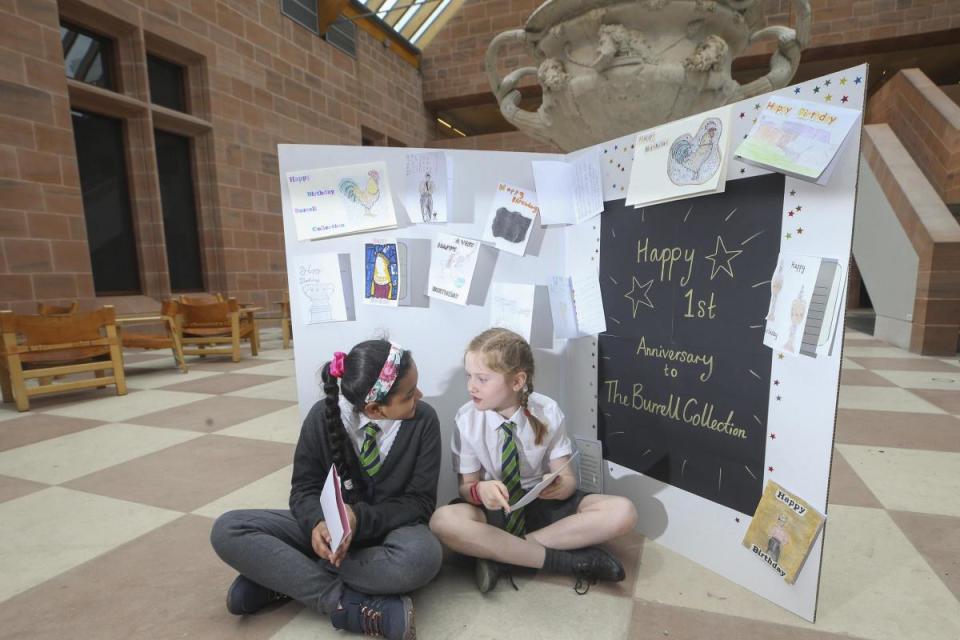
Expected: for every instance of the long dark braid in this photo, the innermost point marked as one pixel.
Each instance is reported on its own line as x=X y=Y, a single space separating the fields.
x=361 y=368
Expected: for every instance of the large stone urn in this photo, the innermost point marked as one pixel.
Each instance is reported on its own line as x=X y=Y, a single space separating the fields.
x=612 y=67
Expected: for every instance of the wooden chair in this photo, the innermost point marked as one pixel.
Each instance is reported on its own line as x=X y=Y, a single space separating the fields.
x=44 y=347
x=170 y=339
x=286 y=324
x=204 y=326
x=45 y=309
x=201 y=297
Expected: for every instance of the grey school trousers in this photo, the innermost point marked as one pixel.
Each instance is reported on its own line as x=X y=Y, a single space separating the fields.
x=270 y=548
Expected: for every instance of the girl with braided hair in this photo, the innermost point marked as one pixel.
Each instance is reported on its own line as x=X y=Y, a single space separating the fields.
x=507 y=438
x=385 y=443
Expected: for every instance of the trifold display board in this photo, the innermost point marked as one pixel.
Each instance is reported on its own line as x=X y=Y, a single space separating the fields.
x=719 y=367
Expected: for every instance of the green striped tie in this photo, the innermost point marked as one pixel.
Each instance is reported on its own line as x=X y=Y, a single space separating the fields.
x=510 y=468
x=370 y=450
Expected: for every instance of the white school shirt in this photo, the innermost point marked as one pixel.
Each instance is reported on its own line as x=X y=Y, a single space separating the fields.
x=354 y=422
x=478 y=440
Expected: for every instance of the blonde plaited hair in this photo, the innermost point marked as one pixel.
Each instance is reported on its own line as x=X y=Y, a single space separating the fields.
x=507 y=353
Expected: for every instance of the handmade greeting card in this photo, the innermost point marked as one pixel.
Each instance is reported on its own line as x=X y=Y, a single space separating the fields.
x=428 y=187
x=452 y=262
x=512 y=216
x=341 y=200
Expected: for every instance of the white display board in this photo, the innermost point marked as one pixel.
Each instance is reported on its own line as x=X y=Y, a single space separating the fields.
x=816 y=221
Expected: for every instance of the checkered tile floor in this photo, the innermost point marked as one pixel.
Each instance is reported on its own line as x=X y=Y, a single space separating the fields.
x=106 y=504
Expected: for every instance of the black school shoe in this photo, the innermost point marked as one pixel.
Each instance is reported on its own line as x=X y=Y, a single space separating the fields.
x=389 y=617
x=246 y=596
x=488 y=572
x=592 y=564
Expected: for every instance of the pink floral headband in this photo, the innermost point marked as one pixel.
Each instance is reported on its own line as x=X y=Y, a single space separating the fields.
x=388 y=375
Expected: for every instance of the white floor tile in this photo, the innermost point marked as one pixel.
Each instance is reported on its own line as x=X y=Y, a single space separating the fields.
x=279 y=426
x=942 y=380
x=48 y=532
x=269 y=492
x=883 y=399
x=120 y=408
x=909 y=479
x=77 y=454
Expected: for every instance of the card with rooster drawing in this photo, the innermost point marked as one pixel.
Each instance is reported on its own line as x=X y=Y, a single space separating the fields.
x=512 y=215
x=680 y=159
x=341 y=200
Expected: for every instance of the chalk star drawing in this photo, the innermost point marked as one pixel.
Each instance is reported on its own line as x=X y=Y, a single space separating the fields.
x=722 y=264
x=638 y=288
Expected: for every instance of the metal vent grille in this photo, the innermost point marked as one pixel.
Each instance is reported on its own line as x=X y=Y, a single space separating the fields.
x=303 y=12
x=343 y=35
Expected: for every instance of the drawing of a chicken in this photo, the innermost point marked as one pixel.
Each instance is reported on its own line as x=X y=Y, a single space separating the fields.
x=367 y=196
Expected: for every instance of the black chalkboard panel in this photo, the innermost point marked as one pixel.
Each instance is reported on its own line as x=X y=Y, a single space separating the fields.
x=683 y=376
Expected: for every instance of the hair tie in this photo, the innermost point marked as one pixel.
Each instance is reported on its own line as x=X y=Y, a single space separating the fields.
x=336 y=364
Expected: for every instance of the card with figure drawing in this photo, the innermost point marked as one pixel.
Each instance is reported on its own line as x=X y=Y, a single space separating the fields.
x=804 y=303
x=798 y=138
x=318 y=282
x=428 y=186
x=511 y=307
x=452 y=262
x=512 y=216
x=680 y=159
x=783 y=529
x=341 y=200
x=384 y=272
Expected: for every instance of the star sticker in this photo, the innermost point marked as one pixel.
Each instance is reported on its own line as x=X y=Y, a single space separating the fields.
x=790 y=213
x=776 y=383
x=829 y=97
x=844 y=99
x=796 y=90
x=742 y=114
x=779 y=356
x=770 y=469
x=743 y=170
x=756 y=107
x=800 y=231
x=737 y=519
x=744 y=136
x=843 y=80
x=636 y=289
x=799 y=208
x=793 y=192
x=816 y=89
x=778 y=398
x=773 y=436
x=722 y=264
x=827 y=83
x=858 y=80
x=789 y=236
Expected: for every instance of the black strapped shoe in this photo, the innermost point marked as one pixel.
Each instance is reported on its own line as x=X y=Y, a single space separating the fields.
x=488 y=572
x=592 y=564
x=246 y=596
x=389 y=617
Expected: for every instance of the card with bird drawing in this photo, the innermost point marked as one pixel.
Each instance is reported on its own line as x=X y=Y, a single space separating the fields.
x=680 y=159
x=383 y=273
x=512 y=216
x=341 y=200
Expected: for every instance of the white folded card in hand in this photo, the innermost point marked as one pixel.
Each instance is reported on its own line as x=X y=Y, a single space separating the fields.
x=334 y=511
x=540 y=486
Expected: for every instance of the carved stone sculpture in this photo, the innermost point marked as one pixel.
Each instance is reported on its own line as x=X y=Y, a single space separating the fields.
x=612 y=67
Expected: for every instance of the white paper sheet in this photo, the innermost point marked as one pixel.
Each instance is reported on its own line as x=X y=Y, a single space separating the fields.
x=569 y=192
x=341 y=200
x=534 y=492
x=562 y=309
x=452 y=263
x=334 y=513
x=588 y=301
x=319 y=283
x=511 y=307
